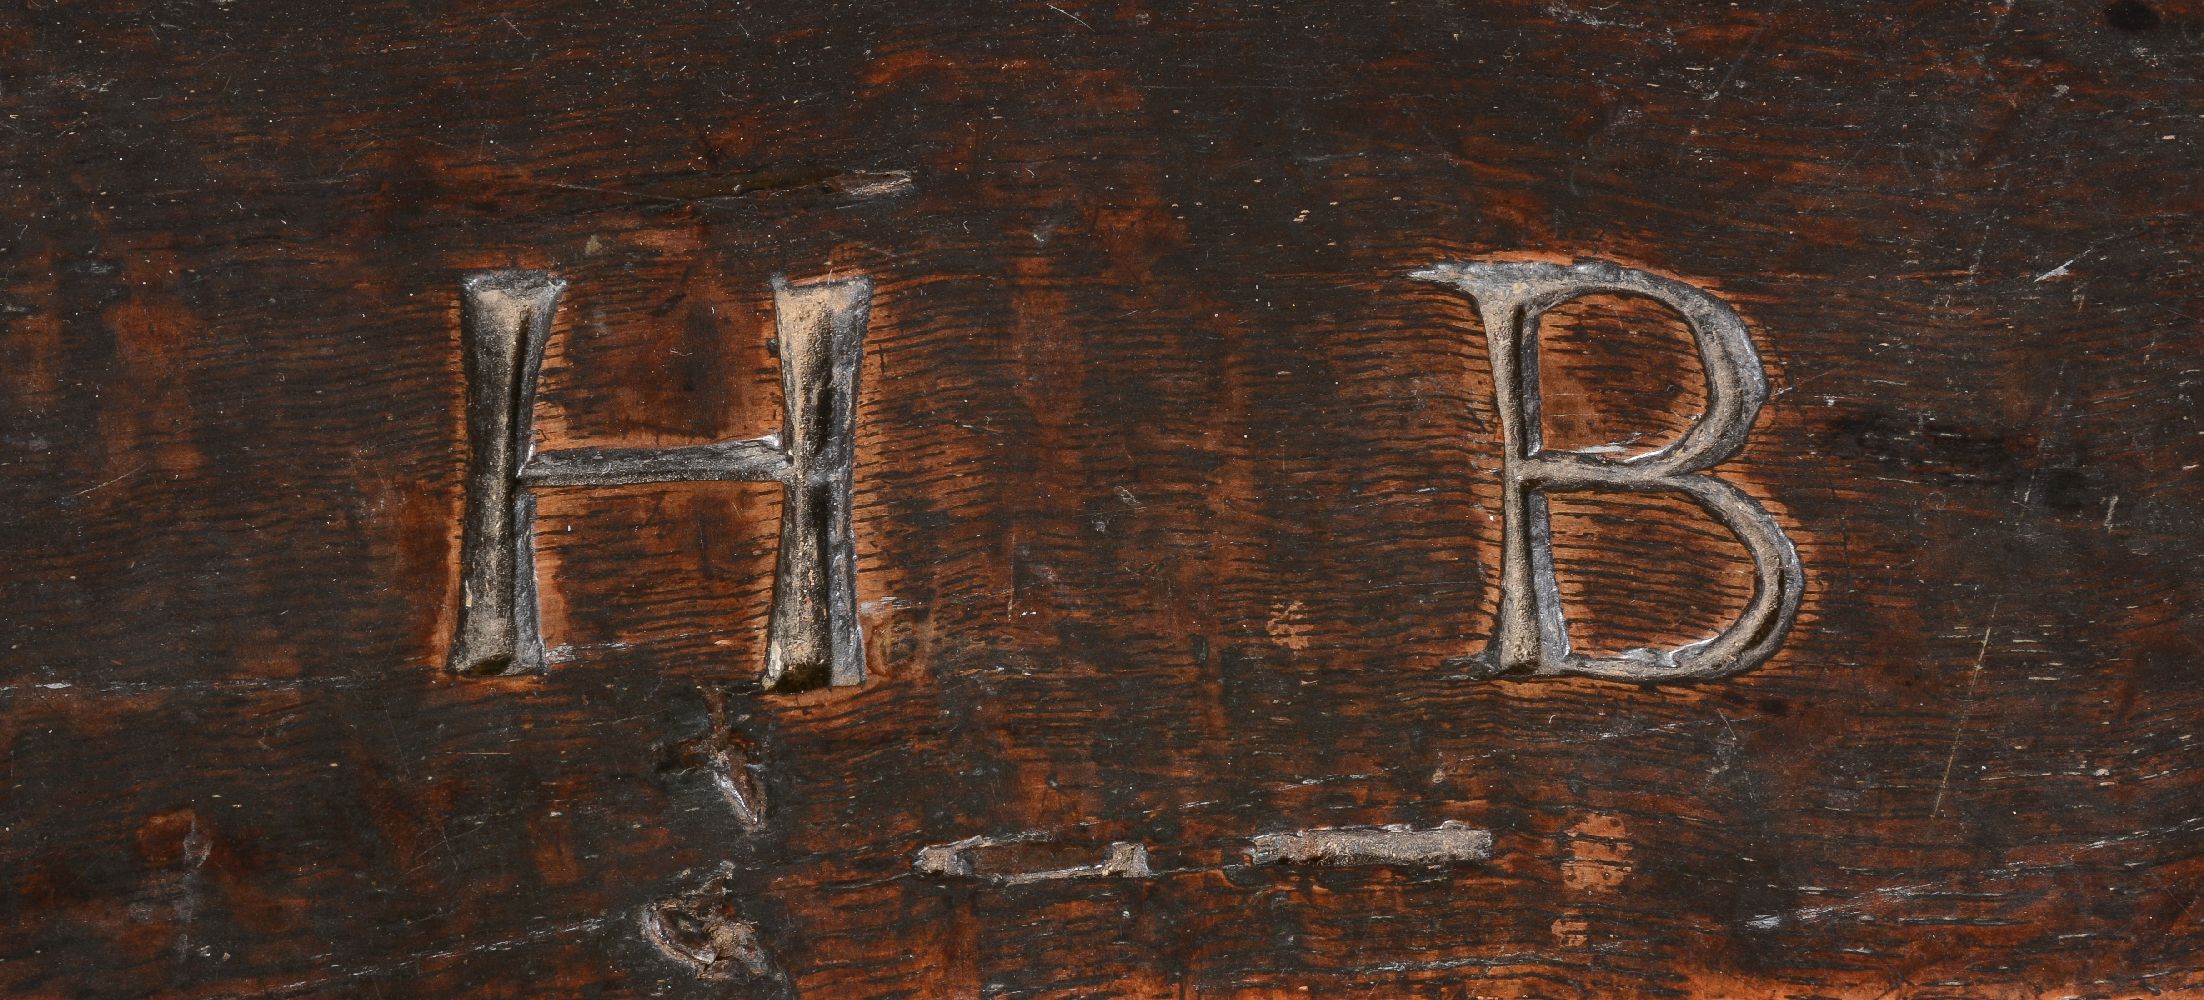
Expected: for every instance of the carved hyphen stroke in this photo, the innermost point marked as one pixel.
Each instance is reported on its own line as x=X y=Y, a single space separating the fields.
x=1447 y=843
x=813 y=639
x=1008 y=860
x=964 y=859
x=1532 y=636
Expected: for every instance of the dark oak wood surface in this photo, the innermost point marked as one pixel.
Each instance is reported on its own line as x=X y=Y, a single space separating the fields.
x=1173 y=496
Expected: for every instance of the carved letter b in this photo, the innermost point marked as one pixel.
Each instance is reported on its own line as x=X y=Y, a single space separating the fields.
x=1532 y=636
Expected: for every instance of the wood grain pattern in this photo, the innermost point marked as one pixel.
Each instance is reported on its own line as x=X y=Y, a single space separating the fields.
x=1173 y=494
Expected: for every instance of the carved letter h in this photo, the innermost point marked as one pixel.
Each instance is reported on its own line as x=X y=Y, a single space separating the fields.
x=813 y=637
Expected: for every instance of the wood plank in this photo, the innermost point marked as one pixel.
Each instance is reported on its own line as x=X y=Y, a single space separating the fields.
x=1174 y=496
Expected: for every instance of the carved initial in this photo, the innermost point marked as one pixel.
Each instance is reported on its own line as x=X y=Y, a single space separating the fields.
x=813 y=638
x=1532 y=637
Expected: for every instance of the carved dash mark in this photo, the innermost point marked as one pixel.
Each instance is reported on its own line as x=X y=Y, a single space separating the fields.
x=999 y=860
x=813 y=639
x=1532 y=636
x=1447 y=843
x=1029 y=858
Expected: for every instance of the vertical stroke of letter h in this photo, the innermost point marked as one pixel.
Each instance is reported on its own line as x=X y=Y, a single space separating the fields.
x=1532 y=636
x=812 y=639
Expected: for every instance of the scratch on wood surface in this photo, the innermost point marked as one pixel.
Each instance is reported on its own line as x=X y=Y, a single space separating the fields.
x=411 y=965
x=1080 y=20
x=140 y=467
x=836 y=186
x=1966 y=712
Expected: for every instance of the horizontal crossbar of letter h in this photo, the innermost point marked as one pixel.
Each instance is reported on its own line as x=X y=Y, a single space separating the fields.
x=813 y=639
